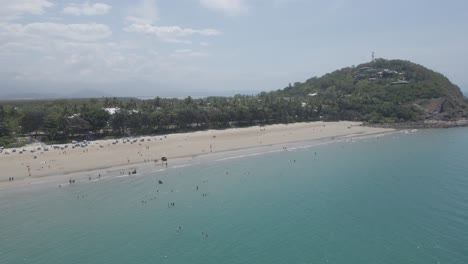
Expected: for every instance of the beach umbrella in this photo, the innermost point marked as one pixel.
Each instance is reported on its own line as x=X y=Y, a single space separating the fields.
x=163 y=159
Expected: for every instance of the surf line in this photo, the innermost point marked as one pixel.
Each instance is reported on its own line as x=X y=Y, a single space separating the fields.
x=242 y=156
x=272 y=151
x=310 y=146
x=185 y=165
x=42 y=182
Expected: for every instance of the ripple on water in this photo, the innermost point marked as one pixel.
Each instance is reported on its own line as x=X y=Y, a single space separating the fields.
x=400 y=199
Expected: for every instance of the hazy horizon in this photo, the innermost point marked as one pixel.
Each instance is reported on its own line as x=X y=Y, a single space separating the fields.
x=215 y=47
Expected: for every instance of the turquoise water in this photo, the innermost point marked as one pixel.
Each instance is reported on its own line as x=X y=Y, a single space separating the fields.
x=402 y=198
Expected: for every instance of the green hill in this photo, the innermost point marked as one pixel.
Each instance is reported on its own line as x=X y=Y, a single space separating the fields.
x=382 y=91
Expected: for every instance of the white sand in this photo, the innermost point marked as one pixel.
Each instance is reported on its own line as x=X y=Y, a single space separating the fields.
x=105 y=157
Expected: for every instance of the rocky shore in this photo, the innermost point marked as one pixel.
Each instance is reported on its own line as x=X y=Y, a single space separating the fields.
x=423 y=124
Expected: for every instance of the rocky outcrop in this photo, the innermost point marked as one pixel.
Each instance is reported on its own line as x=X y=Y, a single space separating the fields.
x=423 y=124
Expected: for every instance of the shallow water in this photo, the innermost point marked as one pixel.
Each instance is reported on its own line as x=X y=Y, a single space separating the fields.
x=402 y=198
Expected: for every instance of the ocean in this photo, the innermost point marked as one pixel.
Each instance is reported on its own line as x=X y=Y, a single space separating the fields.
x=399 y=198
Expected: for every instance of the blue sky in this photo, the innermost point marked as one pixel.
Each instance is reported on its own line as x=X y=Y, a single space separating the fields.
x=217 y=47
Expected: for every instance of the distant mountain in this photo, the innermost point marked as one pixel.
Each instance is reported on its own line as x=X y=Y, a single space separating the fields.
x=88 y=94
x=41 y=96
x=28 y=96
x=382 y=91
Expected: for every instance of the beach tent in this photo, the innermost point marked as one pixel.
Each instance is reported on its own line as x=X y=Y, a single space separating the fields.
x=163 y=159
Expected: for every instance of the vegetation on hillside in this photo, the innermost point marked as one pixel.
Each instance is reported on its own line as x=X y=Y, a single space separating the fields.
x=382 y=91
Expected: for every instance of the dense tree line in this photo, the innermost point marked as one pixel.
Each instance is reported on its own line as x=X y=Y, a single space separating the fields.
x=63 y=120
x=362 y=93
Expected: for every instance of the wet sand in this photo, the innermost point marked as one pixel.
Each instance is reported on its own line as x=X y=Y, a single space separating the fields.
x=105 y=157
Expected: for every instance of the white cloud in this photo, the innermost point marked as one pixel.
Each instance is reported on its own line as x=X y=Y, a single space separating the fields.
x=14 y=9
x=27 y=54
x=145 y=12
x=87 y=9
x=57 y=52
x=228 y=7
x=78 y=32
x=278 y=3
x=177 y=41
x=171 y=30
x=182 y=50
x=23 y=58
x=187 y=53
x=170 y=34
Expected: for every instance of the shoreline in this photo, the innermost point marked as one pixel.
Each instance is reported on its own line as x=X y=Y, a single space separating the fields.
x=426 y=124
x=184 y=151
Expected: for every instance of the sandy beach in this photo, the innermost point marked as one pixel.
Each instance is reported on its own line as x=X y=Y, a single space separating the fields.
x=107 y=157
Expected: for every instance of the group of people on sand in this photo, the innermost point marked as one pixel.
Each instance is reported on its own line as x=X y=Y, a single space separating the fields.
x=99 y=176
x=64 y=152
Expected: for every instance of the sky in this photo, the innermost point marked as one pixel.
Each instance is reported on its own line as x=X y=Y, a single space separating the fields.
x=217 y=47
